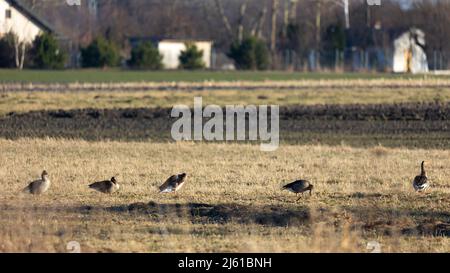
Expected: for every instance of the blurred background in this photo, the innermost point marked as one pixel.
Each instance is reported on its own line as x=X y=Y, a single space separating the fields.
x=300 y=35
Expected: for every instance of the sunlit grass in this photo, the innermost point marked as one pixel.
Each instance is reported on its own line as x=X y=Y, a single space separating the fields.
x=360 y=195
x=42 y=100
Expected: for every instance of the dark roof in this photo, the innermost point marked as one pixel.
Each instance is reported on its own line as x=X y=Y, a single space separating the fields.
x=135 y=40
x=32 y=16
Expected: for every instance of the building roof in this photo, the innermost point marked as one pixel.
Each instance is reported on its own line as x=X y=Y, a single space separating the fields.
x=31 y=15
x=185 y=40
x=134 y=41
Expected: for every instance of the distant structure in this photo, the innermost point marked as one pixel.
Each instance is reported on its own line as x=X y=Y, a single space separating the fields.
x=409 y=52
x=93 y=8
x=17 y=18
x=171 y=49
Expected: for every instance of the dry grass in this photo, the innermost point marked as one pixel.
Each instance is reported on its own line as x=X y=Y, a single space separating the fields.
x=45 y=100
x=236 y=84
x=361 y=195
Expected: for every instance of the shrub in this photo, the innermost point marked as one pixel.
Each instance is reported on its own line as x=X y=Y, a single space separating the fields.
x=7 y=52
x=334 y=38
x=250 y=54
x=100 y=53
x=46 y=54
x=146 y=56
x=191 y=58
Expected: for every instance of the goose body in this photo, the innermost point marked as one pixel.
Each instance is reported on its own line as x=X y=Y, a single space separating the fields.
x=299 y=186
x=420 y=182
x=107 y=186
x=38 y=186
x=173 y=184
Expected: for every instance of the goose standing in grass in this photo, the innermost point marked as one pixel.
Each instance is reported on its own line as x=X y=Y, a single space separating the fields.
x=39 y=186
x=107 y=186
x=173 y=184
x=299 y=186
x=420 y=182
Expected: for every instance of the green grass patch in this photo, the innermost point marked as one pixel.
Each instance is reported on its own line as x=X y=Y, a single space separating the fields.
x=115 y=75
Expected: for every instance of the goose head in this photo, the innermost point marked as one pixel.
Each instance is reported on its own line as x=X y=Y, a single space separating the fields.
x=423 y=172
x=113 y=180
x=44 y=175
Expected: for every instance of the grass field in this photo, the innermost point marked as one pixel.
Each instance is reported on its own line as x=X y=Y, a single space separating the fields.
x=311 y=92
x=232 y=201
x=65 y=76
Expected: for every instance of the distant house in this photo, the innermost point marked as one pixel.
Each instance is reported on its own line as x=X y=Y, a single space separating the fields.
x=171 y=49
x=409 y=52
x=16 y=17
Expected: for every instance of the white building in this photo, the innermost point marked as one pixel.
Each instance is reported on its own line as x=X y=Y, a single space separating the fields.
x=17 y=18
x=409 y=53
x=171 y=50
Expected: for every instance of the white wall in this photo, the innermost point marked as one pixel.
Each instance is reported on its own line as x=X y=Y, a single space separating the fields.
x=405 y=45
x=171 y=50
x=18 y=23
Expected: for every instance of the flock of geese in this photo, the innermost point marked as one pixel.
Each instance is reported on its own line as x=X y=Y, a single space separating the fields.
x=176 y=182
x=172 y=185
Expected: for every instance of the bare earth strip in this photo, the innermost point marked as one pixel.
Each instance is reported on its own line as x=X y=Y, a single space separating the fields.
x=232 y=201
x=47 y=100
x=413 y=125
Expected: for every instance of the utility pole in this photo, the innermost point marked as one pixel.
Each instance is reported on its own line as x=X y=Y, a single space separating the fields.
x=93 y=12
x=347 y=14
x=273 y=35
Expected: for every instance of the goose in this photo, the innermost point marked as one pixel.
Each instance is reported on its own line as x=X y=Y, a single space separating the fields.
x=420 y=182
x=173 y=184
x=299 y=186
x=39 y=186
x=107 y=186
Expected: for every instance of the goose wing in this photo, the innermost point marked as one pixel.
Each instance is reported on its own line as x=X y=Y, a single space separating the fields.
x=101 y=185
x=299 y=184
x=170 y=184
x=31 y=188
x=290 y=185
x=420 y=182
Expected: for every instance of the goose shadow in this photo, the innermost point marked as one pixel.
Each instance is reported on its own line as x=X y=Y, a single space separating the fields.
x=408 y=222
x=221 y=213
x=390 y=222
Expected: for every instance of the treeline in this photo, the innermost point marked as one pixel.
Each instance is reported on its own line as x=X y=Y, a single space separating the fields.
x=46 y=53
x=284 y=28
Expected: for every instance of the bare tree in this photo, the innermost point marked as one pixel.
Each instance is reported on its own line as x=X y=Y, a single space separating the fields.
x=242 y=11
x=258 y=25
x=224 y=18
x=273 y=33
x=19 y=51
x=290 y=13
x=20 y=43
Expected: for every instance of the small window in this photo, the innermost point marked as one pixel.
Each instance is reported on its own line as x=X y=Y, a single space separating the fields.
x=8 y=14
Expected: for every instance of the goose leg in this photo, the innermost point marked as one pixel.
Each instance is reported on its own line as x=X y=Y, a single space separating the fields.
x=301 y=195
